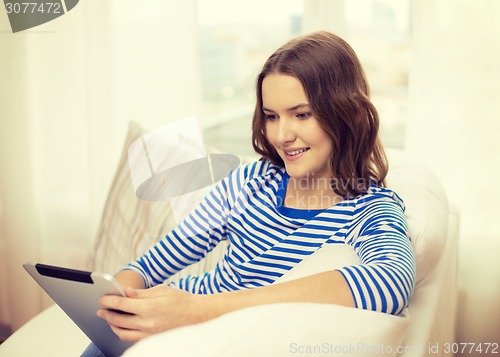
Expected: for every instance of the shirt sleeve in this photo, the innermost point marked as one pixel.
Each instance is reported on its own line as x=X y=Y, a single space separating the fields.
x=190 y=241
x=384 y=281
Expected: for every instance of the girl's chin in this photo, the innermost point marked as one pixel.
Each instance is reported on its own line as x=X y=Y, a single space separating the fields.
x=297 y=174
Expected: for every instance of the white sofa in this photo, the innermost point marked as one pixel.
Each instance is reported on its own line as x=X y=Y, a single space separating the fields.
x=129 y=226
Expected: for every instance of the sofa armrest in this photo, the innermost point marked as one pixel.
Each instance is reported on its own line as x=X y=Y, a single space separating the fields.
x=50 y=333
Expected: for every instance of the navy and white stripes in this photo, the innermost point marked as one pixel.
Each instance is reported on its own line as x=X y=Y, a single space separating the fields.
x=265 y=241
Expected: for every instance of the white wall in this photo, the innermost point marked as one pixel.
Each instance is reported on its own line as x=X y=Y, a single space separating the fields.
x=68 y=90
x=454 y=91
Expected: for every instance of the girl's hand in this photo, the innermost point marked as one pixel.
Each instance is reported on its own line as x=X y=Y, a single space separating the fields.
x=146 y=312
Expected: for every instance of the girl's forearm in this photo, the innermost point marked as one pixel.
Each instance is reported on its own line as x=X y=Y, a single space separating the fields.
x=328 y=288
x=130 y=278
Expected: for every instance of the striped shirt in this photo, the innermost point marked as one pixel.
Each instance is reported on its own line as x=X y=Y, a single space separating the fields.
x=266 y=240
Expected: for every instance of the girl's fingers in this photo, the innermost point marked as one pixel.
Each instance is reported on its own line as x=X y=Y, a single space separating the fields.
x=120 y=319
x=131 y=293
x=120 y=303
x=128 y=335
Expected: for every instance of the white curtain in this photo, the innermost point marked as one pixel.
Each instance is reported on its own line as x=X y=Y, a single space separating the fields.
x=68 y=90
x=454 y=91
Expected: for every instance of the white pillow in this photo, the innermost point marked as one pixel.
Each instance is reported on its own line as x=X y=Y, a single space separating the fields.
x=283 y=330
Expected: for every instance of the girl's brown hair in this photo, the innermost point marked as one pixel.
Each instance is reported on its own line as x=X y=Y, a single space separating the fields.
x=339 y=98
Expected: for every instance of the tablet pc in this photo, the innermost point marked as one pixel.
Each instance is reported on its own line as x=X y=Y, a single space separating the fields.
x=77 y=292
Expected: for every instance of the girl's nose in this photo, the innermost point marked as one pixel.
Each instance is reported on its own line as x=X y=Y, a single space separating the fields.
x=286 y=131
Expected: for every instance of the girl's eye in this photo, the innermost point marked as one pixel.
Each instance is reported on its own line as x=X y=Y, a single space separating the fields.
x=303 y=115
x=270 y=116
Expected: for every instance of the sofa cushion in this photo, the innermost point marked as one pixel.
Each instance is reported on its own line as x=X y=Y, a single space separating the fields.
x=128 y=225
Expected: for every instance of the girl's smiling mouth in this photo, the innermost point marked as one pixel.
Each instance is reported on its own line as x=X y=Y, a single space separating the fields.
x=292 y=154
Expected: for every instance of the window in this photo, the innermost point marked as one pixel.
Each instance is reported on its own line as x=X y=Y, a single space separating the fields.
x=237 y=37
x=380 y=33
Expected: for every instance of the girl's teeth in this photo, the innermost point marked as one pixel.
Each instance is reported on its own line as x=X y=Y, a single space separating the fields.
x=296 y=152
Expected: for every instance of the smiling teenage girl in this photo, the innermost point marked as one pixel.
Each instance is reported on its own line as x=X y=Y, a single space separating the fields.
x=320 y=181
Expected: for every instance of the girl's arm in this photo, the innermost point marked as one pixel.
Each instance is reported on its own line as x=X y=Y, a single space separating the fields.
x=186 y=244
x=130 y=278
x=328 y=287
x=163 y=308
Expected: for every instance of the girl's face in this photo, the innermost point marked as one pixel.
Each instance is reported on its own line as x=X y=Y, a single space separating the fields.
x=293 y=130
